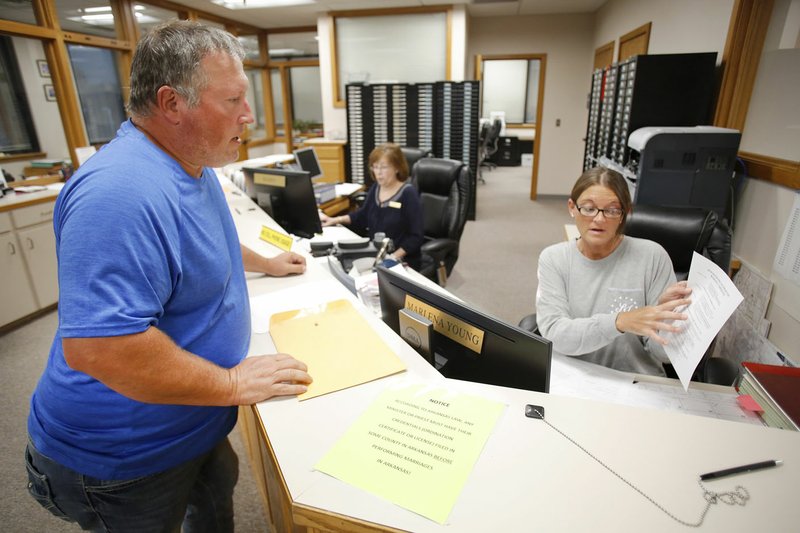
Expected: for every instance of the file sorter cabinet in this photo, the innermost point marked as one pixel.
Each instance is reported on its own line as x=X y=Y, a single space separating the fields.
x=646 y=90
x=441 y=117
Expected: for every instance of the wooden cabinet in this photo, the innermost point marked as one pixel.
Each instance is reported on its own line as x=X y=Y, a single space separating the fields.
x=15 y=291
x=27 y=261
x=331 y=155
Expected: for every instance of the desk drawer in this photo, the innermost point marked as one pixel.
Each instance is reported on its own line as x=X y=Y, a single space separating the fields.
x=5 y=222
x=33 y=214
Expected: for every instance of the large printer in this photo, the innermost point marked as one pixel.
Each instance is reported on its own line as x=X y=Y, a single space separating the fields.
x=683 y=166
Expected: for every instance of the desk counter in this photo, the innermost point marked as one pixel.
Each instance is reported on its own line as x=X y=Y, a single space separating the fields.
x=529 y=475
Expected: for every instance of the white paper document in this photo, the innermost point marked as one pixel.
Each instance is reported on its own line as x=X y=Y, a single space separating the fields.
x=714 y=297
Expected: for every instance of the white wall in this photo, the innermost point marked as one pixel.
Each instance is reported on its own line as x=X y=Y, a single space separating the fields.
x=567 y=41
x=46 y=119
x=678 y=26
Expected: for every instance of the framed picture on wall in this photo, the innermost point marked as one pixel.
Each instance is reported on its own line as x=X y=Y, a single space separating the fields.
x=44 y=68
x=49 y=93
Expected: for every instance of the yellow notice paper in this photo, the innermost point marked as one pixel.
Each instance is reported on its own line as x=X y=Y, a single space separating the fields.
x=415 y=447
x=339 y=346
x=281 y=240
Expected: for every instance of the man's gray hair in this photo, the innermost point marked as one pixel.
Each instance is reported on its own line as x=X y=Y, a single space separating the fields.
x=170 y=54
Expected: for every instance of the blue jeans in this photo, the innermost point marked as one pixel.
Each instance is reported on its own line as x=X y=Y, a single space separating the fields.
x=197 y=495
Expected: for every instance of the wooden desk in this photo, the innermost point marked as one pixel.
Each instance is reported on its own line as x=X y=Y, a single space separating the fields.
x=332 y=156
x=528 y=475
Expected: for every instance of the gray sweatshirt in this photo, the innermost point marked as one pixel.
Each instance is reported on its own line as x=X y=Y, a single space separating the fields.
x=578 y=300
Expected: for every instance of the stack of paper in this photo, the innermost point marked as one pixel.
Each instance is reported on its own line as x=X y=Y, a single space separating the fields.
x=776 y=389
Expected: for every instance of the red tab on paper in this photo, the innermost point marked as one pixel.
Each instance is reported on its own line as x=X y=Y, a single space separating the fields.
x=747 y=403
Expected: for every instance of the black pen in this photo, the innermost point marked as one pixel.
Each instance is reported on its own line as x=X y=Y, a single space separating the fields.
x=740 y=469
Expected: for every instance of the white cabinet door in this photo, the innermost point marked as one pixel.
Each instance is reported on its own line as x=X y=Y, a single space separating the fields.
x=16 y=296
x=39 y=246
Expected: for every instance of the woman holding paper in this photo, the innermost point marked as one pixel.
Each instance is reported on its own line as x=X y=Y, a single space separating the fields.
x=606 y=297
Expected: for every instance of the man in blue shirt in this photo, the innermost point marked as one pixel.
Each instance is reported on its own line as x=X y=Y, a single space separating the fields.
x=128 y=424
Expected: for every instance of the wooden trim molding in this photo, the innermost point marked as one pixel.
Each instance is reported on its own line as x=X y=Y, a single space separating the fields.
x=26 y=30
x=747 y=33
x=740 y=58
x=772 y=169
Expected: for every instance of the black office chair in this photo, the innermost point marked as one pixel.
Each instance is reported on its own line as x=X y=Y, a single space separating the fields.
x=412 y=155
x=682 y=231
x=487 y=140
x=444 y=186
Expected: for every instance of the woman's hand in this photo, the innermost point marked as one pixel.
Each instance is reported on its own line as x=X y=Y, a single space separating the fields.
x=649 y=321
x=676 y=291
x=326 y=220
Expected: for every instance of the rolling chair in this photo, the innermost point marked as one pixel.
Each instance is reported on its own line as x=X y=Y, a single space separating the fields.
x=412 y=155
x=488 y=138
x=444 y=186
x=682 y=231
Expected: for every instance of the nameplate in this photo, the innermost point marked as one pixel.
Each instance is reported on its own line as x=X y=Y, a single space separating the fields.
x=269 y=179
x=395 y=205
x=281 y=240
x=449 y=326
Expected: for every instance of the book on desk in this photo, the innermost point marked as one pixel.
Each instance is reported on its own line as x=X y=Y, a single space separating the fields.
x=776 y=389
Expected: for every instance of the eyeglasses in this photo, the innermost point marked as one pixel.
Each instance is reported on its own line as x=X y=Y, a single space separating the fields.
x=380 y=168
x=591 y=211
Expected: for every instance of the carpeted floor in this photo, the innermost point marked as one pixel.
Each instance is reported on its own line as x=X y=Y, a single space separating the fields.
x=496 y=272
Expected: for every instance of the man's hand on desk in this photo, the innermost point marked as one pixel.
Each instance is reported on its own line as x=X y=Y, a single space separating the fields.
x=281 y=265
x=262 y=377
x=285 y=264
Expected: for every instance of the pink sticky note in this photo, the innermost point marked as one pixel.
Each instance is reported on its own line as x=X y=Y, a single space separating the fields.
x=747 y=403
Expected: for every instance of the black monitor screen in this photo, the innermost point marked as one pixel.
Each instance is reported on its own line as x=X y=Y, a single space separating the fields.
x=464 y=343
x=287 y=196
x=308 y=161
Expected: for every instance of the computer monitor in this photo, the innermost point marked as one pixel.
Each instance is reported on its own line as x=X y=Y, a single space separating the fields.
x=308 y=161
x=464 y=343
x=287 y=196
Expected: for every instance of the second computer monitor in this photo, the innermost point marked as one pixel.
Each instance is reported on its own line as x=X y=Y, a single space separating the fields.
x=463 y=343
x=287 y=196
x=308 y=161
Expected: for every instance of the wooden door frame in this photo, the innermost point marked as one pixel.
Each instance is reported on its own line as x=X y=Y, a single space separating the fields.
x=537 y=136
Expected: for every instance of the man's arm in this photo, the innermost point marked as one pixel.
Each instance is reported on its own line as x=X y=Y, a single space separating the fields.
x=281 y=265
x=149 y=367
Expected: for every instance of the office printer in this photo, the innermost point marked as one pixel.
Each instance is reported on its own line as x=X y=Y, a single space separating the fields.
x=683 y=166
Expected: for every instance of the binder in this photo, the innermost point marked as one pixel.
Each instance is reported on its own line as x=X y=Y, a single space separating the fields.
x=777 y=390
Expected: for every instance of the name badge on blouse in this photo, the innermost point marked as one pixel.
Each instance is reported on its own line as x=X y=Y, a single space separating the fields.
x=396 y=205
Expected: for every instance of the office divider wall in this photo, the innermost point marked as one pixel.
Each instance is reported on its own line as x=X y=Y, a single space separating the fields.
x=646 y=90
x=441 y=117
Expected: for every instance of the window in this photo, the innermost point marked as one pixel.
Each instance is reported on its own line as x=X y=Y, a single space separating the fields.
x=511 y=86
x=304 y=86
x=20 y=11
x=277 y=101
x=93 y=17
x=255 y=97
x=17 y=134
x=99 y=90
x=251 y=47
x=148 y=17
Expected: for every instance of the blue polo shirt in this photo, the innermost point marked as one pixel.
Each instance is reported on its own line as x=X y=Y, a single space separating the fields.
x=140 y=243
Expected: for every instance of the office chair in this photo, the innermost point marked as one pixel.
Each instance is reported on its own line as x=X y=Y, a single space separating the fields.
x=412 y=155
x=488 y=138
x=682 y=231
x=444 y=186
